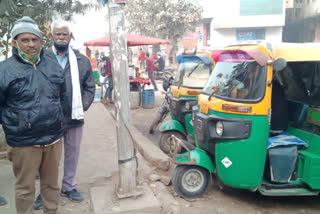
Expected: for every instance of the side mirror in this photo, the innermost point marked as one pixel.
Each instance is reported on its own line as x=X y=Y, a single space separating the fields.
x=167 y=83
x=279 y=64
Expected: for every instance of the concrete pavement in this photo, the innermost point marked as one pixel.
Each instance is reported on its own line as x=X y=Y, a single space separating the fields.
x=98 y=170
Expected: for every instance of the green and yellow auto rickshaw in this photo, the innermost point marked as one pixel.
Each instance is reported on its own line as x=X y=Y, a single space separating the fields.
x=257 y=123
x=193 y=73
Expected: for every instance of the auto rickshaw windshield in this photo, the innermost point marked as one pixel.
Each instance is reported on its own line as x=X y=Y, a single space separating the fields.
x=237 y=76
x=192 y=73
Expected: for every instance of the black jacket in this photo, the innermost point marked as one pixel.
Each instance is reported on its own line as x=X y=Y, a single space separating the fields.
x=87 y=86
x=30 y=96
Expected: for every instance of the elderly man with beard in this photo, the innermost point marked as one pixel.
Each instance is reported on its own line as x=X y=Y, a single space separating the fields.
x=31 y=89
x=80 y=91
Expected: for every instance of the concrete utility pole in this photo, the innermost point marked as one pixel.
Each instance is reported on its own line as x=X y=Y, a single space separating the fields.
x=119 y=62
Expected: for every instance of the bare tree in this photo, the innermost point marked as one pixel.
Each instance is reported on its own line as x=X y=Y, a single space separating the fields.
x=41 y=11
x=163 y=18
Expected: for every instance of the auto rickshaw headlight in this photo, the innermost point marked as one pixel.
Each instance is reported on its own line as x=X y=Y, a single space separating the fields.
x=219 y=128
x=187 y=106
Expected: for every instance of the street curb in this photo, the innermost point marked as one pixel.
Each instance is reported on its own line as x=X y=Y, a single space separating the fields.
x=150 y=152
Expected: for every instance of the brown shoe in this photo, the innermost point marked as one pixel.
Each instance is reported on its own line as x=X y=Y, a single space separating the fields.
x=105 y=101
x=109 y=101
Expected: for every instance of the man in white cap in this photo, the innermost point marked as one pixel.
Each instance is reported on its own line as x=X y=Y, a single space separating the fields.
x=31 y=86
x=80 y=91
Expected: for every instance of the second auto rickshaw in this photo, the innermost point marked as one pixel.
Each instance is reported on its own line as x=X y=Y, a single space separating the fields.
x=193 y=72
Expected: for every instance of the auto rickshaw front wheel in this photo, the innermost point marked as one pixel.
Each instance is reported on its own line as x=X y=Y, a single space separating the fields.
x=190 y=181
x=166 y=145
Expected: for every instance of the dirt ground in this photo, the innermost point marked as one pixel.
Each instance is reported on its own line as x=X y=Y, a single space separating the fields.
x=227 y=201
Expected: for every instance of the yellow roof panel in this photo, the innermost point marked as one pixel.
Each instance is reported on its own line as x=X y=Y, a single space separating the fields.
x=297 y=52
x=292 y=52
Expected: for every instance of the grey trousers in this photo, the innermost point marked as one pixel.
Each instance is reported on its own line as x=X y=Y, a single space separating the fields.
x=72 y=141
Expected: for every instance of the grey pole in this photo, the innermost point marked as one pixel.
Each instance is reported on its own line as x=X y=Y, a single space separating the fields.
x=119 y=61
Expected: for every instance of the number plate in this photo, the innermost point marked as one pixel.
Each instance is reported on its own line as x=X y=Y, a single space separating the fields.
x=176 y=94
x=204 y=108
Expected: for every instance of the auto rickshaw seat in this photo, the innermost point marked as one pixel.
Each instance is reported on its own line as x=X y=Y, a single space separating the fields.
x=297 y=112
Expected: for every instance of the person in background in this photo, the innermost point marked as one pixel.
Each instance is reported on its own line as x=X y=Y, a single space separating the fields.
x=2 y=201
x=142 y=59
x=94 y=66
x=80 y=92
x=150 y=69
x=161 y=64
x=108 y=80
x=31 y=92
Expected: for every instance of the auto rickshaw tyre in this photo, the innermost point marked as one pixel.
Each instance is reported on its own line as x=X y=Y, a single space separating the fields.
x=165 y=145
x=190 y=181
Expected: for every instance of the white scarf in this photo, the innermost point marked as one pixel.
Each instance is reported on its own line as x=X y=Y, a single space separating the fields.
x=77 y=108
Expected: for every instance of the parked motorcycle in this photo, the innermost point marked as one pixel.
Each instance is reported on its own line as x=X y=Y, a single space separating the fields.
x=163 y=111
x=164 y=74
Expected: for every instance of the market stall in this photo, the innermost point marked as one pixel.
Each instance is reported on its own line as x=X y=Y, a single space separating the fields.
x=137 y=83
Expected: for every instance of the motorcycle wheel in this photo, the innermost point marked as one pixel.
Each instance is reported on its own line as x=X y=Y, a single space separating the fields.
x=157 y=120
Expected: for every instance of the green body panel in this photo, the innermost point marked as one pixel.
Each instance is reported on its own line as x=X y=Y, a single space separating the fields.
x=172 y=116
x=309 y=158
x=313 y=140
x=200 y=158
x=96 y=77
x=188 y=97
x=172 y=125
x=189 y=127
x=247 y=156
x=309 y=169
x=314 y=116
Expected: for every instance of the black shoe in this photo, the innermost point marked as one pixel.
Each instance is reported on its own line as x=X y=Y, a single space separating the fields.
x=73 y=195
x=38 y=204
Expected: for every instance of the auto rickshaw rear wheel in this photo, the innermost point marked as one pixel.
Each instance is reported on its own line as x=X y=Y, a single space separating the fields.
x=166 y=145
x=190 y=181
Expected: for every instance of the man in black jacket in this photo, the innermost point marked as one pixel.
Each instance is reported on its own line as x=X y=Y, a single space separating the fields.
x=161 y=64
x=31 y=89
x=2 y=201
x=80 y=91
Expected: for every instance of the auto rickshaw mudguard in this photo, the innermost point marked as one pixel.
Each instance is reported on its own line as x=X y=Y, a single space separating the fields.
x=172 y=125
x=197 y=157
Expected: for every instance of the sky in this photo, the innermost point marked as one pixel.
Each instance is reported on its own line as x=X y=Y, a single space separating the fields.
x=92 y=25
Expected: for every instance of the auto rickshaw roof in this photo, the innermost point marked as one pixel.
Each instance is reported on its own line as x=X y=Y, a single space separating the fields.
x=207 y=59
x=297 y=52
x=291 y=52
